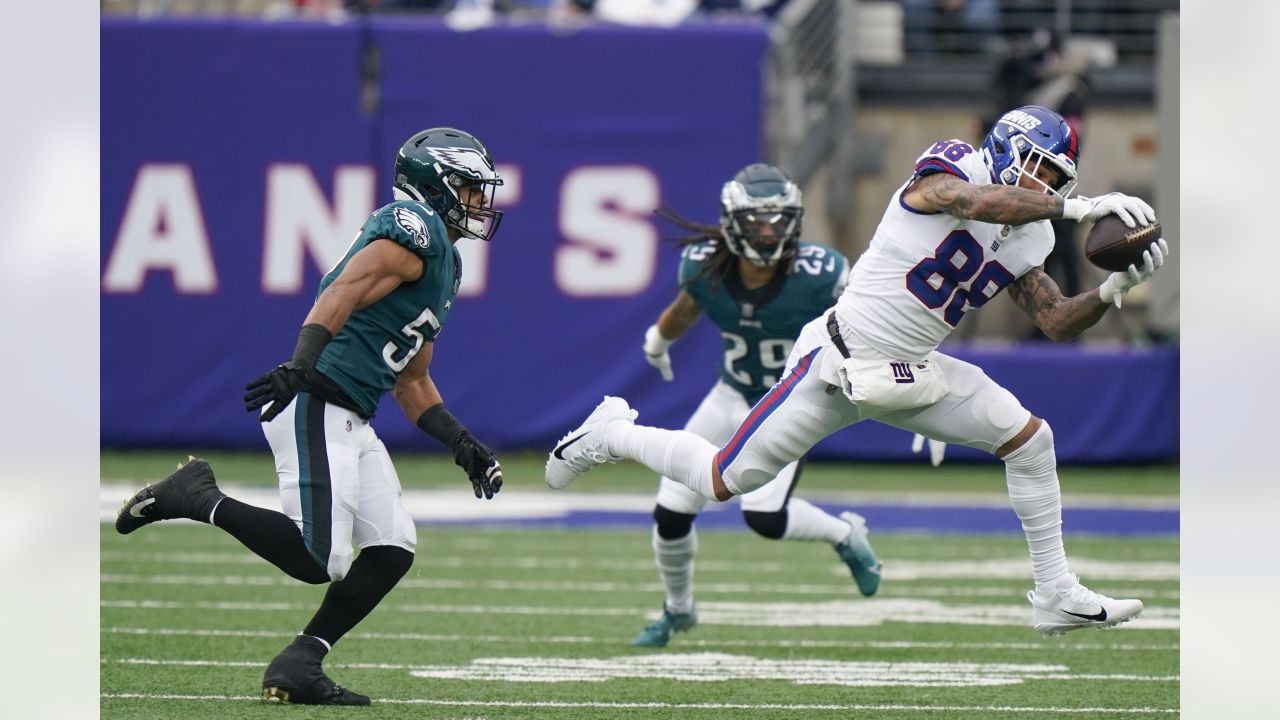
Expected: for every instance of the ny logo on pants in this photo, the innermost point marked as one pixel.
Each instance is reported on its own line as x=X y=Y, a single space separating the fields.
x=902 y=372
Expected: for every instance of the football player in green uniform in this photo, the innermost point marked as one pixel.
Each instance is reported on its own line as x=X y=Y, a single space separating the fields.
x=370 y=331
x=759 y=284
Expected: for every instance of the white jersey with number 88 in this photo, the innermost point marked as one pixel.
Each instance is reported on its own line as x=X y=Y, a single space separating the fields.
x=923 y=271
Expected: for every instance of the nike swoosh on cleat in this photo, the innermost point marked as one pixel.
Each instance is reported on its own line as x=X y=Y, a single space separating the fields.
x=1101 y=616
x=561 y=447
x=137 y=509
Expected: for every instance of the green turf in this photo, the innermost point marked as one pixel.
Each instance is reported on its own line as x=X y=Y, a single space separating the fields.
x=525 y=471
x=187 y=613
x=555 y=594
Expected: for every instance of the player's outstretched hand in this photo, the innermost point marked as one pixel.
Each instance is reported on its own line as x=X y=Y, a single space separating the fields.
x=662 y=363
x=277 y=387
x=480 y=464
x=655 y=352
x=1113 y=289
x=1132 y=211
x=937 y=448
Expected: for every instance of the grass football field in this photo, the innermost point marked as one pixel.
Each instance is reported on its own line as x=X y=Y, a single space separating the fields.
x=534 y=621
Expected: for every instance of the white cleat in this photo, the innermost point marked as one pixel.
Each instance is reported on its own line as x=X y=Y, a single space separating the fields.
x=585 y=447
x=1073 y=606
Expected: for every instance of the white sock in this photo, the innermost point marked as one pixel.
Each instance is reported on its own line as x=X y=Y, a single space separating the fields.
x=215 y=510
x=1032 y=476
x=677 y=454
x=675 y=563
x=325 y=643
x=807 y=522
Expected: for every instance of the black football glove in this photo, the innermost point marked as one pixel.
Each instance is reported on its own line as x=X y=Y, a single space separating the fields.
x=277 y=387
x=480 y=464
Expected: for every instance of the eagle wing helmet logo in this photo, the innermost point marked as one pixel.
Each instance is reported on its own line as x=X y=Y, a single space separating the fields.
x=464 y=158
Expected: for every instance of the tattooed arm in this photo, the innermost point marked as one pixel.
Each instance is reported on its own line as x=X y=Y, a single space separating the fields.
x=1061 y=318
x=1003 y=204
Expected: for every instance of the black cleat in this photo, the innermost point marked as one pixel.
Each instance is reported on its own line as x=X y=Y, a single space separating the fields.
x=190 y=492
x=294 y=676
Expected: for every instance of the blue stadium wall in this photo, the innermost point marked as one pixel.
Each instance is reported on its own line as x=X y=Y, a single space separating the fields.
x=240 y=158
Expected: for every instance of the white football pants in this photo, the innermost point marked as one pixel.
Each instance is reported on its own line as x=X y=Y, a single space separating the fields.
x=337 y=482
x=719 y=414
x=803 y=409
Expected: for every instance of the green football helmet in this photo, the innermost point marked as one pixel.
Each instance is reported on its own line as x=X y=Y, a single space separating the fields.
x=760 y=214
x=436 y=165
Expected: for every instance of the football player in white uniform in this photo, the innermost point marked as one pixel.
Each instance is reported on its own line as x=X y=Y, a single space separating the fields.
x=965 y=225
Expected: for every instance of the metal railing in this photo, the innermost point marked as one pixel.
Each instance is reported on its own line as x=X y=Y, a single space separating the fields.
x=978 y=27
x=809 y=84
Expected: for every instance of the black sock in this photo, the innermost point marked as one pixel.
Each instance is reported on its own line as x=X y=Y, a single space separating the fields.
x=272 y=536
x=373 y=573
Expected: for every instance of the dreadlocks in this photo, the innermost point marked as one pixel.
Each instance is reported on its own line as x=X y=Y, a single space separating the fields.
x=721 y=263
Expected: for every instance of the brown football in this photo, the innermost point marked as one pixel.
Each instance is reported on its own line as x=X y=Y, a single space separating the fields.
x=1112 y=245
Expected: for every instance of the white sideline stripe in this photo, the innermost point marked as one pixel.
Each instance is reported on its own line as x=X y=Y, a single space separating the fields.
x=833 y=613
x=587 y=640
x=1013 y=568
x=711 y=666
x=677 y=706
x=561 y=586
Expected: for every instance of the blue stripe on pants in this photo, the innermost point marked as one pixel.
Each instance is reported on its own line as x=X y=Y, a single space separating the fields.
x=313 y=477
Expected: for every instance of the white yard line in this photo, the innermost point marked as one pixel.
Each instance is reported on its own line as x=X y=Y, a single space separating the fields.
x=701 y=667
x=684 y=706
x=1007 y=568
x=460 y=504
x=572 y=586
x=901 y=583
x=832 y=613
x=1052 y=646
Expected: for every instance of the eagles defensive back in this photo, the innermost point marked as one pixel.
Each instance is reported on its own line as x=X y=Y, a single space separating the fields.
x=371 y=330
x=759 y=284
x=966 y=224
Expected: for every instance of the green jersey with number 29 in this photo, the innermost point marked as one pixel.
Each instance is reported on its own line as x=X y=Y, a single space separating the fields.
x=760 y=326
x=373 y=348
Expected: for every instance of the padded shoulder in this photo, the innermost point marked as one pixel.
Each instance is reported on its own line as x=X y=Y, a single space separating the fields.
x=954 y=157
x=822 y=269
x=694 y=258
x=411 y=224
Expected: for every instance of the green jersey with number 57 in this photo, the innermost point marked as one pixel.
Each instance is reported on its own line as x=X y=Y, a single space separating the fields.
x=368 y=354
x=760 y=326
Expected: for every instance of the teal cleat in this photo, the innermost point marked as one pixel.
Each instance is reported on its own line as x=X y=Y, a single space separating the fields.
x=856 y=552
x=658 y=633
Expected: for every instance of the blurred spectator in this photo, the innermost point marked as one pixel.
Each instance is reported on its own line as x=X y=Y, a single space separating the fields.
x=768 y=8
x=950 y=27
x=320 y=8
x=438 y=6
x=665 y=13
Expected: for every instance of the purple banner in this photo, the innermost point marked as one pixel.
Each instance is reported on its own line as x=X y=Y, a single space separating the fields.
x=240 y=159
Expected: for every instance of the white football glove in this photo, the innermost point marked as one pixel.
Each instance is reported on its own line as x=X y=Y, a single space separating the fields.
x=1113 y=289
x=1128 y=209
x=655 y=352
x=937 y=448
